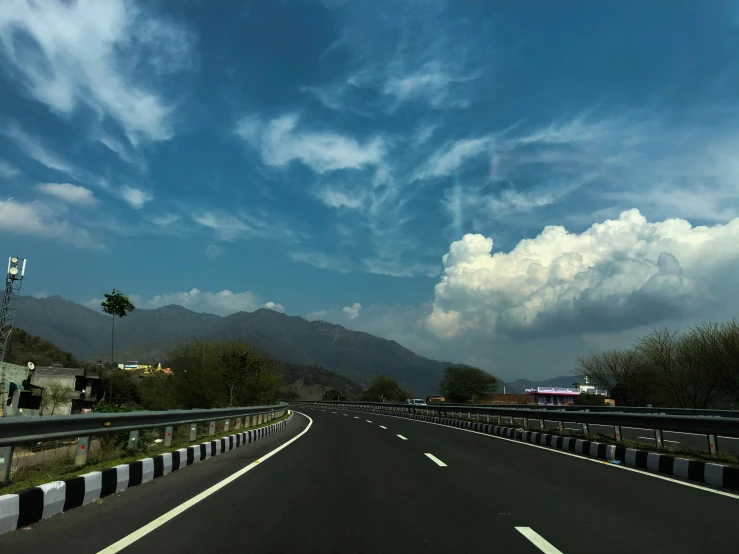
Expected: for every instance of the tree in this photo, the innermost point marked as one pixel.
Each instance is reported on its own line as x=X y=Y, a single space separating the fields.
x=116 y=304
x=333 y=394
x=385 y=389
x=463 y=384
x=587 y=399
x=54 y=395
x=222 y=373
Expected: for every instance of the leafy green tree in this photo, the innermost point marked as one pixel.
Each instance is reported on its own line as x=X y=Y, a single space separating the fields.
x=116 y=304
x=222 y=373
x=333 y=395
x=384 y=389
x=121 y=389
x=588 y=399
x=463 y=384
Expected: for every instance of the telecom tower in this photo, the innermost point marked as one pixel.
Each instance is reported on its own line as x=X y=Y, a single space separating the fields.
x=13 y=281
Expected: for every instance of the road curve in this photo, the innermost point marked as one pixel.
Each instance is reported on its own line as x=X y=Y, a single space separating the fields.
x=381 y=484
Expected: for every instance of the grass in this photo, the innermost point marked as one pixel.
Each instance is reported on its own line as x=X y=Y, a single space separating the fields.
x=58 y=470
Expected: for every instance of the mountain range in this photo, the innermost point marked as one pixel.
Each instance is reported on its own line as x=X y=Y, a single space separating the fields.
x=147 y=335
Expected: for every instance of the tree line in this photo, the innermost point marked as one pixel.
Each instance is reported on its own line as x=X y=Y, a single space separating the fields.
x=206 y=374
x=698 y=368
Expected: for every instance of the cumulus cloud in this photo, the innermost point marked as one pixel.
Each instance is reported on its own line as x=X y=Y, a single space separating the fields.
x=280 y=143
x=69 y=193
x=352 y=311
x=614 y=276
x=135 y=197
x=275 y=306
x=224 y=302
x=213 y=251
x=67 y=54
x=41 y=220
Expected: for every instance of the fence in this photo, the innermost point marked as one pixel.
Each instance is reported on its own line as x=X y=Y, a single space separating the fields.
x=18 y=430
x=709 y=426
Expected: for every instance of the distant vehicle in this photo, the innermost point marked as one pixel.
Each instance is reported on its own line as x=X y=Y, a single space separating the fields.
x=435 y=399
x=417 y=401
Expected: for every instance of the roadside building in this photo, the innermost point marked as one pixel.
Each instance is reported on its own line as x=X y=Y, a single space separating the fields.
x=563 y=396
x=74 y=392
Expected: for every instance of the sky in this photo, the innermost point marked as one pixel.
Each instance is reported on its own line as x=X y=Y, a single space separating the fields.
x=506 y=184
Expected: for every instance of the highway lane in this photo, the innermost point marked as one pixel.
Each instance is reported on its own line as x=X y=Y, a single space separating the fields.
x=390 y=485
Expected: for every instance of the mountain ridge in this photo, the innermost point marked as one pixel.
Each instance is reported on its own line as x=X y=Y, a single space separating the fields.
x=356 y=355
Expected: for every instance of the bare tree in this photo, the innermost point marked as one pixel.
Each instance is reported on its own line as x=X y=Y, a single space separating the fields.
x=683 y=364
x=55 y=395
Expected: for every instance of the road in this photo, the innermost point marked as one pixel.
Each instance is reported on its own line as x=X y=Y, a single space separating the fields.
x=367 y=483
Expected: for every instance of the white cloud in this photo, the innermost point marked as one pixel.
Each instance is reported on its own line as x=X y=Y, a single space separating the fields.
x=451 y=156
x=322 y=260
x=280 y=143
x=275 y=306
x=352 y=311
x=224 y=302
x=165 y=220
x=213 y=251
x=8 y=171
x=69 y=53
x=35 y=148
x=69 y=193
x=135 y=197
x=38 y=219
x=616 y=275
x=431 y=83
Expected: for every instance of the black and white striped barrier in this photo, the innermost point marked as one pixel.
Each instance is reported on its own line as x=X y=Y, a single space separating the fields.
x=716 y=475
x=44 y=501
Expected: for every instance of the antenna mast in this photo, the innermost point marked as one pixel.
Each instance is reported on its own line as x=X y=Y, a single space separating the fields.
x=13 y=281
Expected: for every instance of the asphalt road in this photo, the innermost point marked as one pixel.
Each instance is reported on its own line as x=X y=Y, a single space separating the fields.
x=361 y=483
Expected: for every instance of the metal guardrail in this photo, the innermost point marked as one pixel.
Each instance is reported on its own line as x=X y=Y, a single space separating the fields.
x=19 y=430
x=710 y=427
x=607 y=409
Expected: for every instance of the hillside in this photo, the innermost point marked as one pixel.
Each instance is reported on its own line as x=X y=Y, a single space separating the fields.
x=26 y=348
x=149 y=334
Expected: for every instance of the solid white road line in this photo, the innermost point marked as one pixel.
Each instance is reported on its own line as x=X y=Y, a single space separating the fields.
x=435 y=459
x=537 y=540
x=161 y=520
x=402 y=437
x=383 y=427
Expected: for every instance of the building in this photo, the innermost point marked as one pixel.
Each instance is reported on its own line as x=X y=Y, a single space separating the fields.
x=563 y=396
x=508 y=399
x=78 y=394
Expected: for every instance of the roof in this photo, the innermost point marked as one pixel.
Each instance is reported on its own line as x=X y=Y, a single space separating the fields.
x=47 y=371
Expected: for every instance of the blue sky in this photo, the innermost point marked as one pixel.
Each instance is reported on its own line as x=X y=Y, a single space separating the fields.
x=501 y=183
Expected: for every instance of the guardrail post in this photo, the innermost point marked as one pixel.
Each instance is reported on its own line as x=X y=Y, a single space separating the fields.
x=541 y=424
x=83 y=449
x=585 y=428
x=6 y=460
x=498 y=420
x=238 y=423
x=658 y=437
x=561 y=426
x=525 y=423
x=193 y=431
x=487 y=418
x=712 y=445
x=133 y=440
x=212 y=428
x=168 y=430
x=226 y=425
x=617 y=432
